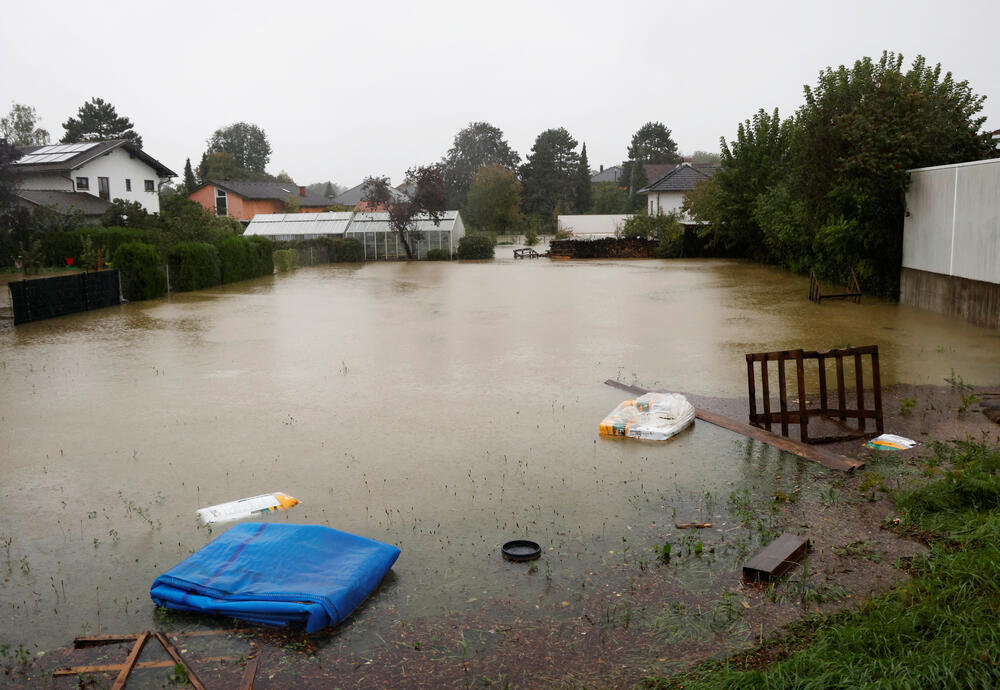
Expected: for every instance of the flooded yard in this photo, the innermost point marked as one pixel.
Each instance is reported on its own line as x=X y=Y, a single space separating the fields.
x=442 y=407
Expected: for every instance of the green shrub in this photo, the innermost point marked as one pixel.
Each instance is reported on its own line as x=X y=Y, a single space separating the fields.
x=284 y=260
x=347 y=250
x=58 y=246
x=141 y=270
x=478 y=245
x=531 y=236
x=193 y=266
x=438 y=255
x=243 y=258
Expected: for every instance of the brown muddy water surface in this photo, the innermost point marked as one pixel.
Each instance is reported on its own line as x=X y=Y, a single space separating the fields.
x=441 y=407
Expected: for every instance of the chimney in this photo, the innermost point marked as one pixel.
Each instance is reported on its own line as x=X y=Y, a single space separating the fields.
x=602 y=169
x=302 y=191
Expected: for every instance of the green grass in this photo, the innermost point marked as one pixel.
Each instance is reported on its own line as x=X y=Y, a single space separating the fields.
x=939 y=630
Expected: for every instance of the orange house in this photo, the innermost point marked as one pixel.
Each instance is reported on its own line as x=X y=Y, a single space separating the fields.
x=244 y=200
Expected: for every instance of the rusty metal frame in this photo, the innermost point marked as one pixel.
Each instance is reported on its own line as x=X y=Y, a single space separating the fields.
x=838 y=414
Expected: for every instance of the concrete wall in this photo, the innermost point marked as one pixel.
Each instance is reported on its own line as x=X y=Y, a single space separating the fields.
x=582 y=227
x=951 y=241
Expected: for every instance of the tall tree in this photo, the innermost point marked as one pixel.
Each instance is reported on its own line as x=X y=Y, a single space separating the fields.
x=750 y=166
x=428 y=198
x=477 y=145
x=652 y=143
x=608 y=197
x=97 y=120
x=582 y=200
x=20 y=127
x=189 y=180
x=246 y=143
x=550 y=174
x=494 y=201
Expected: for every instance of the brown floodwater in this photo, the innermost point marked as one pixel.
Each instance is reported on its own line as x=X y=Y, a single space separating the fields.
x=442 y=407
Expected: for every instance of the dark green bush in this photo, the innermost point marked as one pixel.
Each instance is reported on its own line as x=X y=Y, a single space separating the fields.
x=243 y=258
x=478 y=245
x=141 y=271
x=438 y=255
x=193 y=266
x=347 y=250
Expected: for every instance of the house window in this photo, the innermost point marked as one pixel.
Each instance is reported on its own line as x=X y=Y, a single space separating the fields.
x=221 y=208
x=149 y=185
x=128 y=185
x=104 y=188
x=83 y=183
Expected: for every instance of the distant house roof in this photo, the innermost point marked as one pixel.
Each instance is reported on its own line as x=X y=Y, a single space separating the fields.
x=275 y=191
x=654 y=171
x=681 y=178
x=65 y=202
x=607 y=175
x=65 y=157
x=301 y=225
x=355 y=195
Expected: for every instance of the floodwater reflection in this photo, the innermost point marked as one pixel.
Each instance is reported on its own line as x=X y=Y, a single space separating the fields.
x=443 y=407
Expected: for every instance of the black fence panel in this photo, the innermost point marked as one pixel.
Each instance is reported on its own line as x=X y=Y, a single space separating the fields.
x=45 y=298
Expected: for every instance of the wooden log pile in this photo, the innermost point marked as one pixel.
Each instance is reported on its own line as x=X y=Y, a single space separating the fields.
x=606 y=248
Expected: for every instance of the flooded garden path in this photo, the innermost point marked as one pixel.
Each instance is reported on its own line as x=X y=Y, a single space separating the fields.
x=441 y=407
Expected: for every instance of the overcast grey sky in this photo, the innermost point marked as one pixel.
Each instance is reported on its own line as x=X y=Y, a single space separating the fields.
x=350 y=89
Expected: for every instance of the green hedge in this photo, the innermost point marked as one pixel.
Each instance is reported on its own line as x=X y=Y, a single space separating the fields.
x=347 y=250
x=246 y=257
x=141 y=270
x=478 y=245
x=82 y=244
x=438 y=255
x=193 y=266
x=284 y=260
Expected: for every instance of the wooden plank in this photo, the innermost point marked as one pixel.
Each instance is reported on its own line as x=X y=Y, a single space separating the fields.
x=821 y=358
x=841 y=395
x=800 y=375
x=823 y=457
x=166 y=663
x=765 y=393
x=133 y=656
x=752 y=390
x=859 y=383
x=96 y=640
x=250 y=672
x=877 y=391
x=782 y=394
x=692 y=525
x=777 y=558
x=176 y=656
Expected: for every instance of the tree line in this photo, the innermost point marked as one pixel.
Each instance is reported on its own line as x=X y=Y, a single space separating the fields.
x=824 y=189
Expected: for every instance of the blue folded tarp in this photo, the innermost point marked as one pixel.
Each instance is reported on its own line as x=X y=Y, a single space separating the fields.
x=276 y=573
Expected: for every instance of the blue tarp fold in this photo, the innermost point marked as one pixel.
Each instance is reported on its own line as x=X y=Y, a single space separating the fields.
x=277 y=573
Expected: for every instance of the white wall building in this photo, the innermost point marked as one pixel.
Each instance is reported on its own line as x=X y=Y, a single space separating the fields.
x=108 y=170
x=667 y=193
x=951 y=241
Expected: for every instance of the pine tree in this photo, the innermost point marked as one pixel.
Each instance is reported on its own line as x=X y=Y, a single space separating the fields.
x=582 y=201
x=189 y=180
x=97 y=120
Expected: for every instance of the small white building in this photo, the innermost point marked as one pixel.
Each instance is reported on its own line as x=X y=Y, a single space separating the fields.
x=107 y=170
x=667 y=193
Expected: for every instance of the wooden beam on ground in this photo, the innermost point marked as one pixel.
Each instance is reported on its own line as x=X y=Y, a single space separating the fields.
x=129 y=664
x=250 y=672
x=176 y=656
x=778 y=558
x=823 y=457
x=166 y=663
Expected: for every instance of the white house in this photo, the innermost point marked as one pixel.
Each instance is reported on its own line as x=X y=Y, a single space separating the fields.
x=107 y=170
x=666 y=194
x=593 y=226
